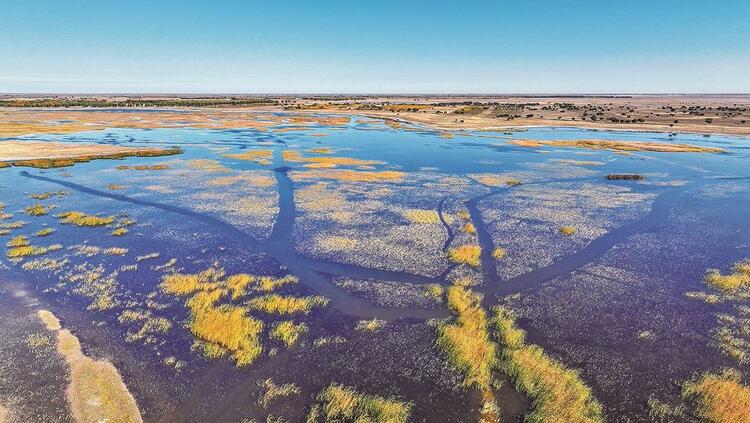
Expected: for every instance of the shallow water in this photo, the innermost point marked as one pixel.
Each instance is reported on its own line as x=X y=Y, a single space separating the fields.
x=710 y=191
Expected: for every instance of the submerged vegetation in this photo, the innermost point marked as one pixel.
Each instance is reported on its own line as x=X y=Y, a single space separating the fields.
x=338 y=403
x=557 y=393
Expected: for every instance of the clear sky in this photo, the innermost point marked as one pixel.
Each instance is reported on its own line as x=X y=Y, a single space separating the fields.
x=405 y=46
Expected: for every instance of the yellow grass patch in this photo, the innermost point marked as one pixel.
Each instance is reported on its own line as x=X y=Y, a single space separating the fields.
x=353 y=175
x=288 y=332
x=434 y=291
x=499 y=253
x=278 y=304
x=119 y=231
x=82 y=219
x=465 y=338
x=96 y=392
x=557 y=393
x=618 y=145
x=720 y=398
x=262 y=157
x=469 y=228
x=338 y=403
x=468 y=254
x=44 y=232
x=38 y=209
x=421 y=216
x=493 y=180
x=208 y=165
x=568 y=230
x=738 y=279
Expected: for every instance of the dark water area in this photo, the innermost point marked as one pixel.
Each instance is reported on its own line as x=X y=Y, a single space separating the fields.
x=584 y=300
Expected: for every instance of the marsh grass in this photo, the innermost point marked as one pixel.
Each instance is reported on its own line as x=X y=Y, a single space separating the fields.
x=499 y=253
x=338 y=403
x=44 y=264
x=720 y=398
x=465 y=254
x=469 y=228
x=47 y=194
x=262 y=157
x=353 y=175
x=557 y=393
x=116 y=251
x=119 y=231
x=288 y=332
x=47 y=163
x=144 y=167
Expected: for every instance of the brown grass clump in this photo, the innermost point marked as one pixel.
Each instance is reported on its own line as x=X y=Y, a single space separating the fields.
x=557 y=393
x=720 y=398
x=422 y=216
x=262 y=157
x=278 y=304
x=288 y=332
x=568 y=230
x=116 y=187
x=96 y=392
x=338 y=403
x=465 y=339
x=468 y=254
x=82 y=219
x=228 y=327
x=738 y=279
x=30 y=250
x=353 y=175
x=618 y=145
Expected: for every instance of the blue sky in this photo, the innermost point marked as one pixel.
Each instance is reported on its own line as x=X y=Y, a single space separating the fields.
x=405 y=46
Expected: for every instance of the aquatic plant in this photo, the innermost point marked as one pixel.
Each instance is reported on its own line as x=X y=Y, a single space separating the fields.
x=372 y=325
x=720 y=398
x=278 y=304
x=568 y=230
x=557 y=393
x=273 y=391
x=288 y=332
x=18 y=241
x=338 y=403
x=468 y=254
x=116 y=187
x=29 y=250
x=82 y=219
x=230 y=328
x=738 y=279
